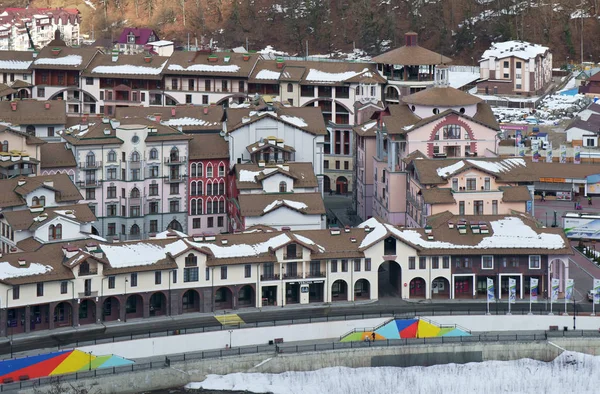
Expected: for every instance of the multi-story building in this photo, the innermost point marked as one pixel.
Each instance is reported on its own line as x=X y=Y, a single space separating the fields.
x=15 y=72
x=42 y=119
x=21 y=27
x=133 y=174
x=437 y=122
x=515 y=68
x=81 y=283
x=408 y=69
x=207 y=183
x=20 y=155
x=133 y=40
x=276 y=195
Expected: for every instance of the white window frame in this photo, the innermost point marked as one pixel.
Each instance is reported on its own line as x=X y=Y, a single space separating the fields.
x=483 y=267
x=539 y=262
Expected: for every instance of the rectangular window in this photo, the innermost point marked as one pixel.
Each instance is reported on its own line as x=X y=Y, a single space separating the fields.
x=461 y=207
x=50 y=131
x=90 y=194
x=518 y=65
x=174 y=276
x=112 y=229
x=174 y=206
x=196 y=223
x=487 y=262
x=174 y=188
x=486 y=184
x=111 y=210
x=334 y=267
x=133 y=280
x=210 y=222
x=111 y=192
x=411 y=262
x=446 y=262
x=478 y=207
x=153 y=190
x=157 y=277
x=64 y=285
x=40 y=289
x=435 y=262
x=224 y=272
x=220 y=221
x=337 y=164
x=188 y=98
x=455 y=184
x=346 y=165
x=89 y=81
x=422 y=262
x=357 y=265
x=111 y=282
x=344 y=265
x=41 y=92
x=190 y=274
x=174 y=84
x=247 y=271
x=471 y=184
x=207 y=273
x=16 y=292
x=134 y=211
x=494 y=207
x=153 y=226
x=205 y=99
x=535 y=262
x=153 y=207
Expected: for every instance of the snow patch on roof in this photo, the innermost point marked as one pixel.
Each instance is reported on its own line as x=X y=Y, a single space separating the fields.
x=69 y=60
x=232 y=68
x=498 y=166
x=377 y=232
x=248 y=176
x=136 y=254
x=128 y=69
x=451 y=169
x=520 y=49
x=308 y=241
x=368 y=126
x=8 y=271
x=14 y=64
x=244 y=250
x=322 y=76
x=189 y=122
x=292 y=204
x=165 y=234
x=267 y=74
x=296 y=121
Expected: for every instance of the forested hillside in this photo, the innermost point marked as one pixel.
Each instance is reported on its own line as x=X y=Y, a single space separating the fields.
x=458 y=28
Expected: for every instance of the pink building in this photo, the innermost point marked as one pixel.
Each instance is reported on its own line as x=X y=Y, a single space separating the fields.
x=437 y=122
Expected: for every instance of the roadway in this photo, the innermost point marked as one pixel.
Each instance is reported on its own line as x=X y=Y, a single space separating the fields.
x=159 y=326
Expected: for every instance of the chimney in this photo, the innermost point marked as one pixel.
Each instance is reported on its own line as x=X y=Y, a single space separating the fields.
x=173 y=112
x=21 y=182
x=13 y=105
x=280 y=62
x=84 y=119
x=47 y=105
x=157 y=117
x=205 y=110
x=22 y=262
x=115 y=55
x=70 y=251
x=411 y=39
x=49 y=182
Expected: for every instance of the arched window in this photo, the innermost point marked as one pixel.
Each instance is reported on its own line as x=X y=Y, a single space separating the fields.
x=199 y=169
x=35 y=201
x=282 y=187
x=55 y=232
x=209 y=188
x=5 y=146
x=209 y=207
x=112 y=156
x=43 y=201
x=215 y=206
x=135 y=193
x=174 y=154
x=30 y=130
x=222 y=205
x=221 y=170
x=153 y=154
x=135 y=156
x=193 y=190
x=193 y=169
x=290 y=88
x=191 y=260
x=135 y=230
x=90 y=159
x=199 y=206
x=193 y=207
x=200 y=188
x=175 y=225
x=209 y=170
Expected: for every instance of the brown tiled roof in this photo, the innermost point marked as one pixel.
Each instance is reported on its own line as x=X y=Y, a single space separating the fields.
x=212 y=119
x=29 y=244
x=182 y=63
x=34 y=112
x=302 y=173
x=438 y=196
x=292 y=72
x=267 y=65
x=208 y=146
x=19 y=83
x=398 y=118
x=311 y=116
x=515 y=194
x=29 y=139
x=415 y=155
x=19 y=56
x=255 y=204
x=87 y=54
x=366 y=129
x=12 y=194
x=485 y=116
x=411 y=56
x=126 y=66
x=6 y=90
x=26 y=220
x=56 y=155
x=441 y=96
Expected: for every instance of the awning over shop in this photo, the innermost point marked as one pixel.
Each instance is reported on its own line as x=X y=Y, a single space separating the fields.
x=553 y=187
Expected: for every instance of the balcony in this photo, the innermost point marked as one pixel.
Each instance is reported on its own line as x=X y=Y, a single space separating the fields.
x=174 y=178
x=175 y=160
x=315 y=274
x=88 y=272
x=90 y=165
x=87 y=294
x=292 y=256
x=292 y=275
x=89 y=183
x=269 y=277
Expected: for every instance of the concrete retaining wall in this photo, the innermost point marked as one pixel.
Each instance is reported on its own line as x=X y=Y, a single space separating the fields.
x=181 y=373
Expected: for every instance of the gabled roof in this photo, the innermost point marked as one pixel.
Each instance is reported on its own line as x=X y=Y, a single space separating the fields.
x=12 y=194
x=515 y=194
x=16 y=61
x=29 y=139
x=227 y=64
x=27 y=220
x=265 y=144
x=6 y=90
x=208 y=146
x=441 y=96
x=142 y=35
x=34 y=112
x=126 y=66
x=309 y=119
x=250 y=175
x=366 y=129
x=411 y=56
x=189 y=118
x=262 y=204
x=68 y=58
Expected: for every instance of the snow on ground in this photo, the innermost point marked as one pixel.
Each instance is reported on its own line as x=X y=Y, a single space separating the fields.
x=570 y=372
x=90 y=4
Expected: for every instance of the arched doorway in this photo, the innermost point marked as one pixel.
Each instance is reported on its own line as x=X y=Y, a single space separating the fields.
x=134 y=306
x=339 y=290
x=111 y=309
x=389 y=279
x=392 y=95
x=326 y=184
x=23 y=94
x=557 y=269
x=158 y=304
x=63 y=315
x=417 y=288
x=341 y=185
x=362 y=290
x=246 y=297
x=440 y=288
x=87 y=312
x=190 y=302
x=175 y=225
x=223 y=298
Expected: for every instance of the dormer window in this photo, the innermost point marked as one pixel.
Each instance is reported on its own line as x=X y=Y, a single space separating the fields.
x=55 y=232
x=131 y=38
x=84 y=268
x=291 y=252
x=282 y=187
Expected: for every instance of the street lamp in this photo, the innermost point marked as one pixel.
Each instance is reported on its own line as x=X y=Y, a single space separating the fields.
x=90 y=364
x=126 y=281
x=230 y=332
x=574 y=312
